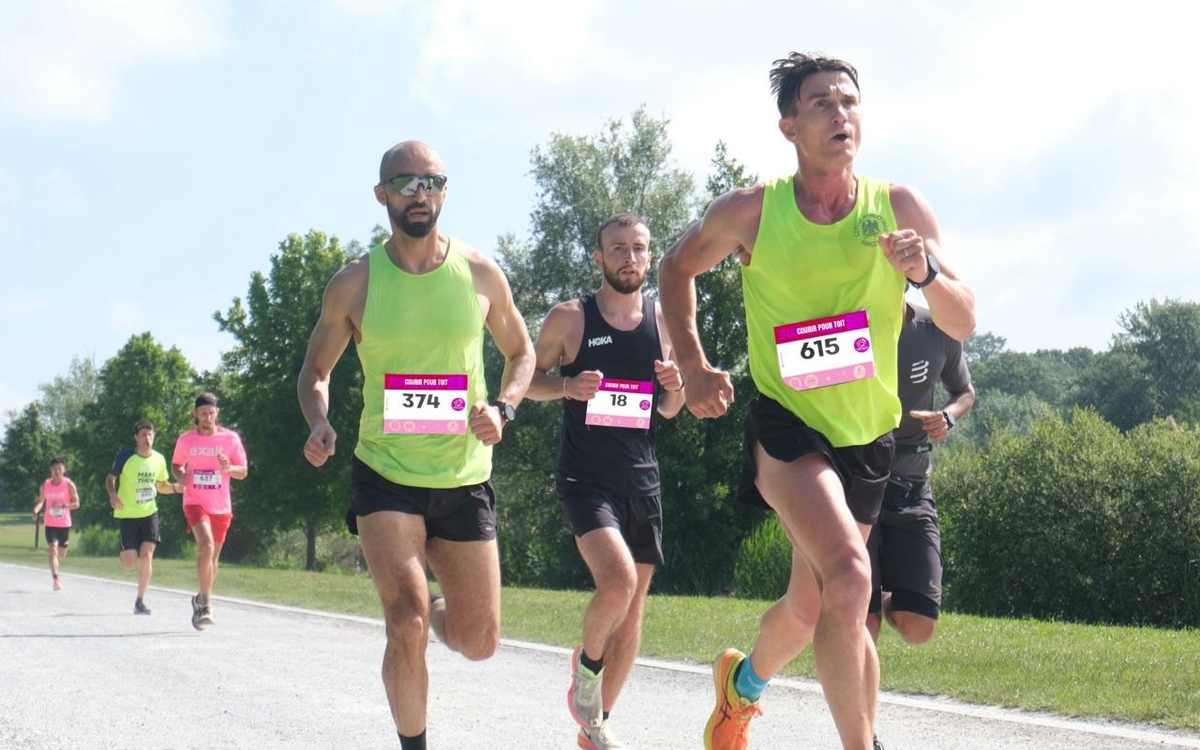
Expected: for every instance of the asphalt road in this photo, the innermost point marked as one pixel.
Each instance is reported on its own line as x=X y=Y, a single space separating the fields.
x=79 y=671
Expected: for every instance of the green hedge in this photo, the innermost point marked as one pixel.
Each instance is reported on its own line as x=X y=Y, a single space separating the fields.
x=1075 y=520
x=1069 y=519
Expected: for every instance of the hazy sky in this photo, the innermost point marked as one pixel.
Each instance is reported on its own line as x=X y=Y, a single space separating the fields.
x=154 y=154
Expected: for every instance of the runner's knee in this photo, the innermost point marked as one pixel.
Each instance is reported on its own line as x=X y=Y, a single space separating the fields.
x=846 y=589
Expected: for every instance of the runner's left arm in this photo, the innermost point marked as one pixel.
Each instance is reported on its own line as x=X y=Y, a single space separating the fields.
x=508 y=330
x=951 y=301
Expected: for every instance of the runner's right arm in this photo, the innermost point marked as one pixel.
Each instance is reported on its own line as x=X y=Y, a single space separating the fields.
x=335 y=326
x=729 y=226
x=563 y=324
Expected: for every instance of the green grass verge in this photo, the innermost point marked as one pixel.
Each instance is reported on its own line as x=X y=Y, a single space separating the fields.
x=1127 y=674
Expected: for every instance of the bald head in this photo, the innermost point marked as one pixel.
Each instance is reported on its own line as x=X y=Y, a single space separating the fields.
x=410 y=157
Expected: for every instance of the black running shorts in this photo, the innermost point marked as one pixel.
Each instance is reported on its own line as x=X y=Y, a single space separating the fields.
x=58 y=534
x=906 y=552
x=135 y=531
x=639 y=519
x=459 y=514
x=863 y=469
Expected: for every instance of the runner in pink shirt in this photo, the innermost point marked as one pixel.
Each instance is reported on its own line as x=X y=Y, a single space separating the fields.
x=59 y=497
x=204 y=462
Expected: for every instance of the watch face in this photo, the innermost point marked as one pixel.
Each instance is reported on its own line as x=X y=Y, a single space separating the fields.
x=507 y=412
x=933 y=263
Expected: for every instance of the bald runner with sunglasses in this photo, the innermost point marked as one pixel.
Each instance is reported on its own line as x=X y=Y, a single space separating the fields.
x=416 y=307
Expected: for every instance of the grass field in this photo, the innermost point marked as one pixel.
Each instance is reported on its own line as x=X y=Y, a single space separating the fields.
x=1127 y=674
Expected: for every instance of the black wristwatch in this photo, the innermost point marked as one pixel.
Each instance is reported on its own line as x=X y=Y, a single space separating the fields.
x=950 y=420
x=934 y=269
x=507 y=411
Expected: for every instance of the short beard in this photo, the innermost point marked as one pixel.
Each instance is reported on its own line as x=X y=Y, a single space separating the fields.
x=414 y=229
x=621 y=285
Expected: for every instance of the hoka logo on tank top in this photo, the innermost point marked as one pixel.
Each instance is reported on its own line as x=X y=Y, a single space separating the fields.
x=599 y=341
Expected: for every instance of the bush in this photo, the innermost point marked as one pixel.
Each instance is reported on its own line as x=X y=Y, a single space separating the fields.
x=764 y=562
x=1073 y=520
x=96 y=541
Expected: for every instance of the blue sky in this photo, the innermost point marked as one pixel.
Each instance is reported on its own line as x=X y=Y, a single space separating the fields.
x=154 y=154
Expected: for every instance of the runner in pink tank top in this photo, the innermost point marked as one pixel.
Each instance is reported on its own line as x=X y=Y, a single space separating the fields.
x=204 y=462
x=58 y=497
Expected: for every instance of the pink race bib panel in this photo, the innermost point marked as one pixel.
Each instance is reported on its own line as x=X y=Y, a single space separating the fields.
x=825 y=351
x=424 y=404
x=621 y=403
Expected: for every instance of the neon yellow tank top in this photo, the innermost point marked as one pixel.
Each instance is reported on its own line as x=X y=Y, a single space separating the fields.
x=427 y=324
x=801 y=271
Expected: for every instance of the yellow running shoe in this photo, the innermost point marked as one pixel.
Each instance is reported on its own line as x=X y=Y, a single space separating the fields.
x=729 y=725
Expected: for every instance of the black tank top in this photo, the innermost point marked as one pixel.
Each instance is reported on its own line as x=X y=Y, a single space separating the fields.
x=619 y=460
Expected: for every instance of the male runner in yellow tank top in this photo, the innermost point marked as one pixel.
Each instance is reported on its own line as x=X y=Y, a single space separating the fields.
x=416 y=307
x=825 y=257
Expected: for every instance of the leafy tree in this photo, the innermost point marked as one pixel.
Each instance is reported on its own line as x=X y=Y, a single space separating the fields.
x=141 y=381
x=282 y=491
x=1045 y=374
x=582 y=180
x=1119 y=385
x=1166 y=336
x=64 y=398
x=25 y=455
x=982 y=346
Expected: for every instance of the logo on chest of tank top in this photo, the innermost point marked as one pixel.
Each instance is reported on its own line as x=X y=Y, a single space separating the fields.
x=599 y=341
x=919 y=372
x=869 y=227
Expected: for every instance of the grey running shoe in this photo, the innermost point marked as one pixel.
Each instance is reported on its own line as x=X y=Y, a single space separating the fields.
x=201 y=612
x=600 y=739
x=437 y=603
x=140 y=608
x=584 y=697
x=876 y=744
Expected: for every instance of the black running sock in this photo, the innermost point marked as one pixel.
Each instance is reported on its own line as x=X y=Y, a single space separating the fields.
x=591 y=664
x=412 y=743
x=606 y=713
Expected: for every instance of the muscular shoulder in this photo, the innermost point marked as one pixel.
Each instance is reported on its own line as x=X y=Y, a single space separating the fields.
x=349 y=280
x=738 y=208
x=564 y=317
x=486 y=273
x=729 y=226
x=909 y=205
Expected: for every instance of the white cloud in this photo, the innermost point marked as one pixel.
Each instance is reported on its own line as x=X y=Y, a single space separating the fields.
x=66 y=60
x=126 y=316
x=17 y=304
x=11 y=399
x=487 y=51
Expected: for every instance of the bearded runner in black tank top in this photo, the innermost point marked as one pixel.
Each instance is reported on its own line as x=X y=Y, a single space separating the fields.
x=620 y=460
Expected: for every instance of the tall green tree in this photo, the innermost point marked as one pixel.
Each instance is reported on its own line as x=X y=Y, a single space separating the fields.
x=982 y=346
x=25 y=455
x=64 y=397
x=282 y=491
x=1166 y=336
x=581 y=181
x=143 y=380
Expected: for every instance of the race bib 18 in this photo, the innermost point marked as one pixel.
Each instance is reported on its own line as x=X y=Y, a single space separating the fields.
x=424 y=404
x=825 y=351
x=621 y=403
